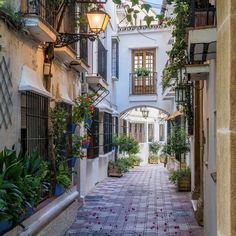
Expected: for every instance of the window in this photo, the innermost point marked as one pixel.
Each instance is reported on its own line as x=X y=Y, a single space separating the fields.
x=144 y=58
x=107 y=137
x=34 y=123
x=115 y=58
x=93 y=150
x=102 y=60
x=150 y=132
x=161 y=132
x=144 y=81
x=115 y=125
x=68 y=137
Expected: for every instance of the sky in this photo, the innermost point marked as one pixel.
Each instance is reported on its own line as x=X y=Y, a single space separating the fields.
x=156 y=4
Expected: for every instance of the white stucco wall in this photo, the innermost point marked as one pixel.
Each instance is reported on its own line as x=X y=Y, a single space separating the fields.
x=210 y=227
x=149 y=38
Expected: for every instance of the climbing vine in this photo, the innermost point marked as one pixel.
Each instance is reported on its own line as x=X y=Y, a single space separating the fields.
x=177 y=54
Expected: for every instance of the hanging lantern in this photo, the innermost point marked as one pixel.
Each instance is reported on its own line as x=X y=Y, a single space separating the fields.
x=98 y=21
x=145 y=112
x=180 y=93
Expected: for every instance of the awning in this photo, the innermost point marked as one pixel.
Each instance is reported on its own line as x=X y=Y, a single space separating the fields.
x=174 y=114
x=63 y=95
x=104 y=108
x=30 y=81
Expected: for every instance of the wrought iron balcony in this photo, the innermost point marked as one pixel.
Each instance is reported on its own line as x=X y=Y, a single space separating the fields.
x=202 y=13
x=41 y=8
x=143 y=85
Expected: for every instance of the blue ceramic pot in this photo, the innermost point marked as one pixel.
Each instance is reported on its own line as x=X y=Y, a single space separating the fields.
x=85 y=145
x=5 y=225
x=72 y=161
x=73 y=127
x=59 y=190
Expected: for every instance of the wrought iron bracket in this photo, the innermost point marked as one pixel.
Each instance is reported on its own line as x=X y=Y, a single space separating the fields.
x=102 y=93
x=65 y=39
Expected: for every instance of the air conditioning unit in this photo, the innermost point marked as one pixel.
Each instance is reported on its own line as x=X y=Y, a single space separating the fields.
x=84 y=88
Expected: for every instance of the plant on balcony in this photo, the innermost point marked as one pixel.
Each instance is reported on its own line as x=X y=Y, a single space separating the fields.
x=83 y=108
x=12 y=18
x=142 y=72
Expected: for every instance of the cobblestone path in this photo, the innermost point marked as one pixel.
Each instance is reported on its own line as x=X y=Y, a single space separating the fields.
x=142 y=202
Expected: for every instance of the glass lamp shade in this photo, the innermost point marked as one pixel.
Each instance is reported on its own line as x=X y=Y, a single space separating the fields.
x=180 y=94
x=97 y=21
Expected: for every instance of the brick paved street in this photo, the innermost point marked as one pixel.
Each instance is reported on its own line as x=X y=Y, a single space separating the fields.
x=142 y=202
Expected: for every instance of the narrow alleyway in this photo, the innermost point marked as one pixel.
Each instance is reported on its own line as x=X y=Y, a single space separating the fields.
x=143 y=202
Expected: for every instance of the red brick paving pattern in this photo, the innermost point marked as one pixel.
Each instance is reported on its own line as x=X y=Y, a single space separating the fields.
x=143 y=202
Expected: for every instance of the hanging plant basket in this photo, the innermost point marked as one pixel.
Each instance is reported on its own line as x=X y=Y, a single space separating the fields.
x=88 y=123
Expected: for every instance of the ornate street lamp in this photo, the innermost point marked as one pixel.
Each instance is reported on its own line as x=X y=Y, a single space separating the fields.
x=97 y=21
x=145 y=112
x=180 y=93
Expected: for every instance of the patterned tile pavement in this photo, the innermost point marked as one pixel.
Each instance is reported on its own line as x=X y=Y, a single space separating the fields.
x=143 y=202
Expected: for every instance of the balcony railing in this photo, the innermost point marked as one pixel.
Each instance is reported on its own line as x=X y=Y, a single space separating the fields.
x=141 y=85
x=41 y=8
x=202 y=14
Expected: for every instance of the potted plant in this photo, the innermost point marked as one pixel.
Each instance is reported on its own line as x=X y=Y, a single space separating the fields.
x=85 y=142
x=153 y=159
x=182 y=178
x=141 y=71
x=115 y=169
x=83 y=109
x=77 y=151
x=62 y=180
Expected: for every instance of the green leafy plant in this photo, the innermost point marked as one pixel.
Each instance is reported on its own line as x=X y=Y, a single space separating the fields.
x=154 y=147
x=126 y=144
x=142 y=71
x=62 y=176
x=176 y=175
x=153 y=158
x=177 y=141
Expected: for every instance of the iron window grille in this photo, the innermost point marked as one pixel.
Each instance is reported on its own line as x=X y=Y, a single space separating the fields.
x=93 y=150
x=107 y=137
x=115 y=125
x=102 y=60
x=34 y=123
x=68 y=137
x=115 y=58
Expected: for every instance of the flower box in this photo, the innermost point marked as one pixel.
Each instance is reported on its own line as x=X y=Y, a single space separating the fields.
x=184 y=184
x=114 y=172
x=59 y=190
